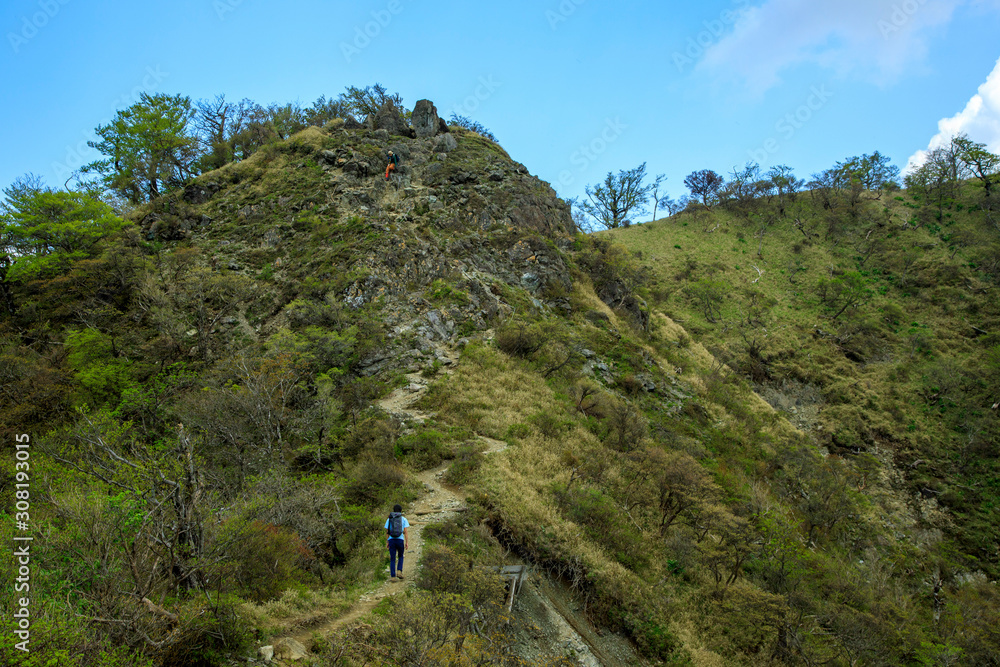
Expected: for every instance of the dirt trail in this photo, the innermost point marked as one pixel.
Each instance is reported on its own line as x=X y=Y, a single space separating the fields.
x=438 y=503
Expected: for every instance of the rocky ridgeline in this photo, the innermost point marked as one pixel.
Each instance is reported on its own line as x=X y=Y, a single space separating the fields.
x=459 y=235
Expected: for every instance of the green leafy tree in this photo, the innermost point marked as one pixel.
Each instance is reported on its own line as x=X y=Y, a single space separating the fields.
x=873 y=173
x=148 y=148
x=939 y=178
x=324 y=110
x=43 y=230
x=362 y=102
x=785 y=184
x=983 y=164
x=611 y=202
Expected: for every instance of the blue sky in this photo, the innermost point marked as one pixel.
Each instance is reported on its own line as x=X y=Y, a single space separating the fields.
x=572 y=88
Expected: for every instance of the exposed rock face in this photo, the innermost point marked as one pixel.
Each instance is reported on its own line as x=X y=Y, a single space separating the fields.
x=445 y=143
x=351 y=123
x=435 y=250
x=388 y=118
x=425 y=119
x=617 y=295
x=199 y=193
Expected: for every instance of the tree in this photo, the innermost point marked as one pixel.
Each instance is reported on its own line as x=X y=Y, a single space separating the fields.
x=43 y=230
x=704 y=184
x=367 y=101
x=940 y=177
x=846 y=291
x=148 y=148
x=709 y=295
x=681 y=484
x=620 y=194
x=743 y=185
x=218 y=122
x=785 y=183
x=983 y=164
x=873 y=173
x=658 y=199
x=287 y=119
x=164 y=485
x=257 y=130
x=324 y=110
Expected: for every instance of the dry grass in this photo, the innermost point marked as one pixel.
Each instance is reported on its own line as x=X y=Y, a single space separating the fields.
x=489 y=393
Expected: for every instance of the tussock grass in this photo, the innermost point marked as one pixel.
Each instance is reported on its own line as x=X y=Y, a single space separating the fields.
x=488 y=393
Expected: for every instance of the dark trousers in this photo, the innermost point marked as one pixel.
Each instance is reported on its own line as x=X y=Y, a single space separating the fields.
x=396 y=546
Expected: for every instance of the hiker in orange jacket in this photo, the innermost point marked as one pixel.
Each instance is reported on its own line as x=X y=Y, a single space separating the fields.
x=393 y=161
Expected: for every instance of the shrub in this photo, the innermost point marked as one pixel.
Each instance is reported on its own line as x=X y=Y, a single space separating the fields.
x=265 y=559
x=630 y=384
x=374 y=437
x=468 y=460
x=443 y=570
x=601 y=520
x=472 y=125
x=519 y=340
x=373 y=483
x=208 y=635
x=423 y=449
x=549 y=425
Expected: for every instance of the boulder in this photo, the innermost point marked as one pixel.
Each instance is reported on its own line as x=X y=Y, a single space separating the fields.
x=425 y=119
x=389 y=119
x=444 y=143
x=289 y=650
x=351 y=123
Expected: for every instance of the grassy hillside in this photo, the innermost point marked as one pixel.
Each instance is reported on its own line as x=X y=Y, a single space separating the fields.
x=766 y=437
x=873 y=327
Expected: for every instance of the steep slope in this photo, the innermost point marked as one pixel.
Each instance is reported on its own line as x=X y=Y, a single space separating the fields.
x=225 y=401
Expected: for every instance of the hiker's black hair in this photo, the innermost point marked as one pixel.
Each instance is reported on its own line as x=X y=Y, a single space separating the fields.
x=397 y=508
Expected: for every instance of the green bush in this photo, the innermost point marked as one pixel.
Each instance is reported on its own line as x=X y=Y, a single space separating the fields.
x=375 y=483
x=466 y=464
x=424 y=449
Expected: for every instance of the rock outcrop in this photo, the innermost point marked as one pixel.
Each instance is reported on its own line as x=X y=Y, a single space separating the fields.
x=457 y=235
x=425 y=120
x=388 y=118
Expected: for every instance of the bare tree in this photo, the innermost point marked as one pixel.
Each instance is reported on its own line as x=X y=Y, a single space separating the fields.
x=217 y=123
x=620 y=194
x=655 y=192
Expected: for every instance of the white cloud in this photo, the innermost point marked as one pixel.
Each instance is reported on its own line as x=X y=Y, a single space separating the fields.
x=877 y=39
x=980 y=119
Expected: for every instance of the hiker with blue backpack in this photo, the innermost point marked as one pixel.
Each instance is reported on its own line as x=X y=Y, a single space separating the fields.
x=397 y=530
